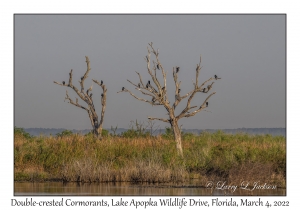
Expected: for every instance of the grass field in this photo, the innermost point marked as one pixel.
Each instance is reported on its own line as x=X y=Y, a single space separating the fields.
x=207 y=157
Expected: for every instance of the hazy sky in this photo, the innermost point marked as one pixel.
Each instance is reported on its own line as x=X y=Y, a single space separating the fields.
x=247 y=51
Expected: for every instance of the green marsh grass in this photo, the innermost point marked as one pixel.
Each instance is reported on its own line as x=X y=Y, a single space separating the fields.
x=207 y=157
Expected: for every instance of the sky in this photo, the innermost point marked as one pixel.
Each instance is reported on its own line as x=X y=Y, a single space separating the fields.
x=248 y=53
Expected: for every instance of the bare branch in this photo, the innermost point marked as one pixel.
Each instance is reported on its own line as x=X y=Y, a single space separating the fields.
x=72 y=102
x=203 y=106
x=141 y=99
x=161 y=119
x=141 y=81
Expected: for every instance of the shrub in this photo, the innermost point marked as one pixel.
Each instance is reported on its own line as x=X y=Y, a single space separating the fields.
x=22 y=132
x=64 y=133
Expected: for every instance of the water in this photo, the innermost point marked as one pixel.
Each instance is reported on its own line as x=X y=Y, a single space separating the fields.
x=127 y=189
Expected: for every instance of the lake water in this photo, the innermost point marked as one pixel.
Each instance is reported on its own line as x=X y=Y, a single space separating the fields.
x=127 y=189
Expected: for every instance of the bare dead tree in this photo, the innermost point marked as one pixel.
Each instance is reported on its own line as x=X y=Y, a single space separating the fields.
x=157 y=92
x=87 y=97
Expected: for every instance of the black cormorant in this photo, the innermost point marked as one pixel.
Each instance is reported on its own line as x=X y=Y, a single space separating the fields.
x=81 y=78
x=123 y=88
x=101 y=94
x=139 y=85
x=101 y=82
x=157 y=66
x=203 y=90
x=149 y=82
x=206 y=104
x=177 y=69
x=216 y=77
x=63 y=82
x=179 y=90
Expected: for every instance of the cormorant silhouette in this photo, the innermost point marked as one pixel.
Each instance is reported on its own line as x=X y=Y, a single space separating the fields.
x=216 y=77
x=63 y=82
x=157 y=66
x=204 y=90
x=179 y=90
x=139 y=85
x=149 y=82
x=177 y=69
x=81 y=78
x=101 y=94
x=101 y=82
x=206 y=104
x=123 y=88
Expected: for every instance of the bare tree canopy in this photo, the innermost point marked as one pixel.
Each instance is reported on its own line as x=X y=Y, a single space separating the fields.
x=157 y=93
x=86 y=96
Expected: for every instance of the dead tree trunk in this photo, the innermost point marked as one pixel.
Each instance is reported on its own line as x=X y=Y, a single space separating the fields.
x=177 y=135
x=87 y=97
x=157 y=91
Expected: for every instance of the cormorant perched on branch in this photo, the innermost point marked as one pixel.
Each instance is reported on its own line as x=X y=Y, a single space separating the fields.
x=177 y=69
x=139 y=85
x=64 y=83
x=101 y=82
x=81 y=78
x=101 y=94
x=200 y=107
x=157 y=66
x=179 y=90
x=123 y=88
x=204 y=90
x=206 y=104
x=149 y=82
x=147 y=86
x=216 y=77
